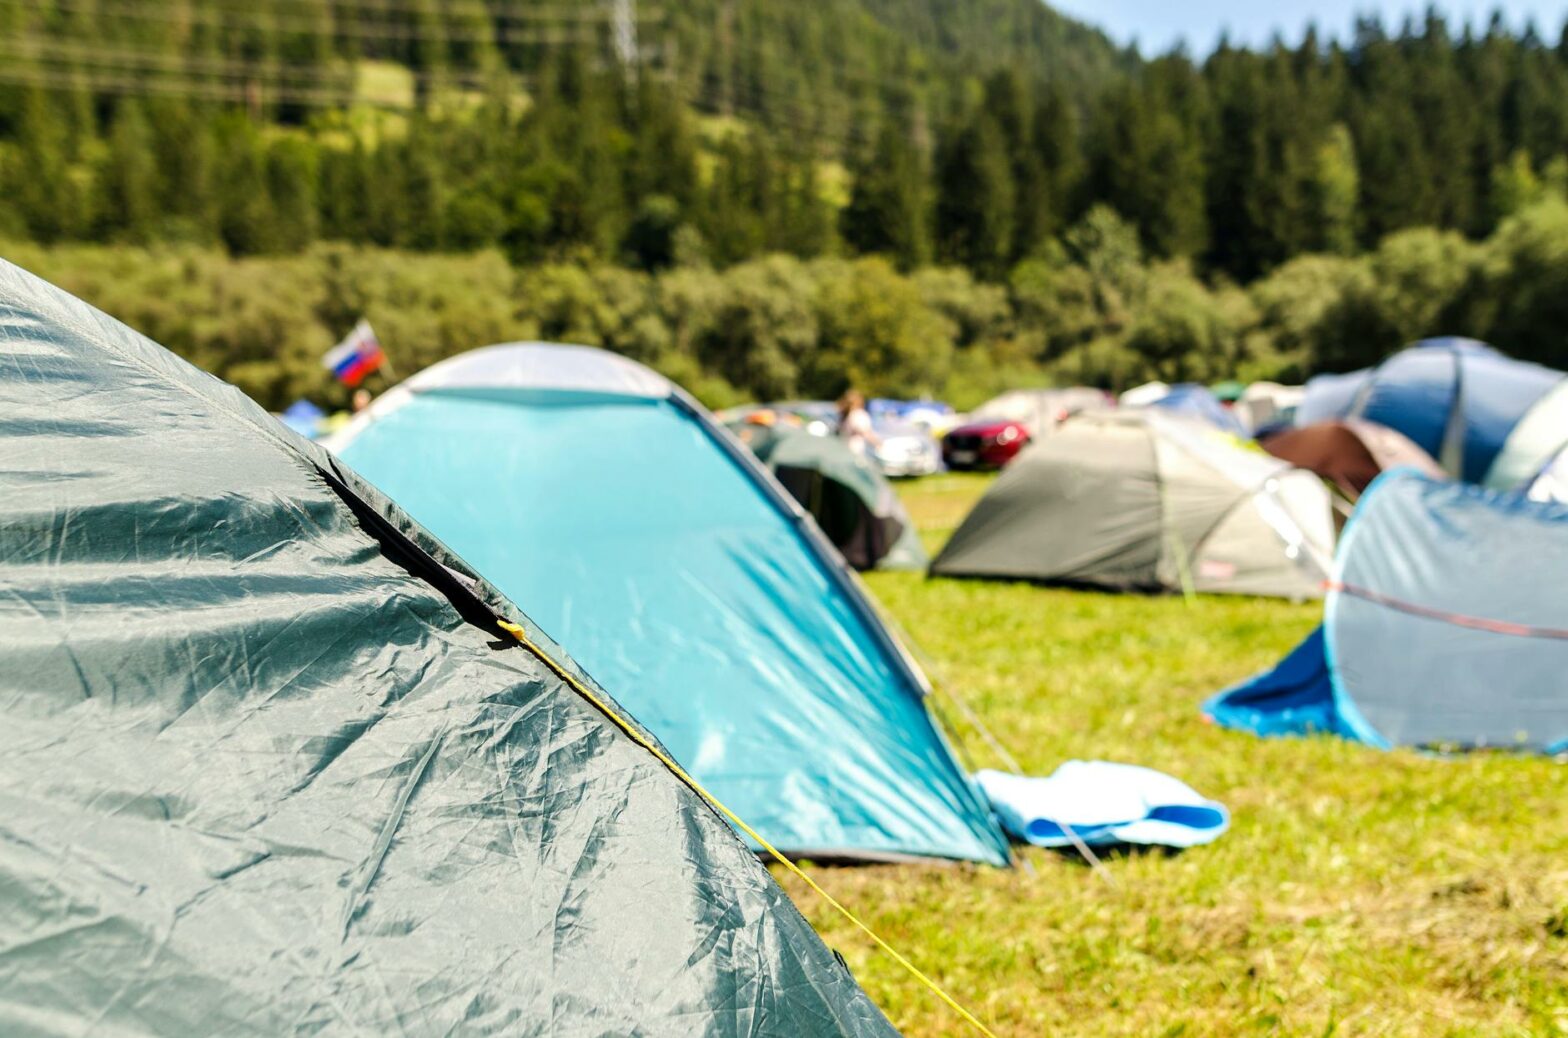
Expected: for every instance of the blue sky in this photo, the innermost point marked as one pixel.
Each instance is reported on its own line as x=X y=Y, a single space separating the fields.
x=1157 y=25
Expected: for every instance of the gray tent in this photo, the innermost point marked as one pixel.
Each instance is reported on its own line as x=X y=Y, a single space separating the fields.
x=271 y=764
x=1140 y=500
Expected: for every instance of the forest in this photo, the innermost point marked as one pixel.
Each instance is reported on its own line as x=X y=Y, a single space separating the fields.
x=774 y=199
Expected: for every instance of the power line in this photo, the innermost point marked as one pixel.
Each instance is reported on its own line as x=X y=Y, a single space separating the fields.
x=328 y=27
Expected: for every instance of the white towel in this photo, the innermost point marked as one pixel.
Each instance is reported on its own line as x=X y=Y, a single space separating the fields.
x=1103 y=803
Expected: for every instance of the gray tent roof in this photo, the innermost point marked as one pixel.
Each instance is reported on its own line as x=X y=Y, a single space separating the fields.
x=1142 y=500
x=269 y=765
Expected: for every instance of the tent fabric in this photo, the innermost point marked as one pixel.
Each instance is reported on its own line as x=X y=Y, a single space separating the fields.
x=649 y=541
x=1551 y=482
x=1041 y=410
x=269 y=766
x=1264 y=404
x=1456 y=399
x=1330 y=396
x=1349 y=454
x=1198 y=402
x=1103 y=804
x=1534 y=443
x=1139 y=500
x=1463 y=581
x=852 y=502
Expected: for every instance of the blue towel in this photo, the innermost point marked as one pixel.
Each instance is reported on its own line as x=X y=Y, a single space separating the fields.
x=1103 y=804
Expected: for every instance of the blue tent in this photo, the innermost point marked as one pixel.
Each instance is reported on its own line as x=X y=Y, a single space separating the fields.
x=1198 y=401
x=304 y=418
x=1457 y=399
x=1446 y=624
x=647 y=540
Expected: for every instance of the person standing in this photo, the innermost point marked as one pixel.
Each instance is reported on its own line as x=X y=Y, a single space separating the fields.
x=854 y=424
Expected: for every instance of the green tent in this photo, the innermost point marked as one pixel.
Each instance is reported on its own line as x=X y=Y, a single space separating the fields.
x=270 y=764
x=853 y=503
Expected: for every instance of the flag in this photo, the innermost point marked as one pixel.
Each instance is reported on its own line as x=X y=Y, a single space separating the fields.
x=356 y=356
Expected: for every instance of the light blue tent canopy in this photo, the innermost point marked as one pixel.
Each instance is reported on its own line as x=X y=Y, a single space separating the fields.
x=1198 y=401
x=647 y=540
x=1446 y=625
x=1457 y=399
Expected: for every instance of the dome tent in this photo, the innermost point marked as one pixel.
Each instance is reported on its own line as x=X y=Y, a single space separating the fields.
x=852 y=502
x=1141 y=500
x=1463 y=582
x=653 y=545
x=272 y=765
x=1457 y=399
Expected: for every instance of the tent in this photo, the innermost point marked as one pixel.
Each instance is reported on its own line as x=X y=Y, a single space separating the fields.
x=852 y=502
x=1534 y=443
x=1144 y=395
x=1229 y=391
x=651 y=543
x=1349 y=454
x=1264 y=404
x=1190 y=400
x=1140 y=500
x=270 y=764
x=1041 y=410
x=1456 y=399
x=1443 y=627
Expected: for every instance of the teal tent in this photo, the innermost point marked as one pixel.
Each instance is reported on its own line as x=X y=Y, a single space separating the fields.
x=270 y=765
x=854 y=505
x=643 y=537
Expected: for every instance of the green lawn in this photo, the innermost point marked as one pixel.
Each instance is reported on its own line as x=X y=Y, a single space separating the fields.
x=1357 y=893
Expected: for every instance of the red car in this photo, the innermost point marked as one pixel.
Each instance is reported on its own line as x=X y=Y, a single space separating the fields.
x=986 y=444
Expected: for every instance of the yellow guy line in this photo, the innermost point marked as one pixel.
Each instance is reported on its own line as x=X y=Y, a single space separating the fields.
x=641 y=740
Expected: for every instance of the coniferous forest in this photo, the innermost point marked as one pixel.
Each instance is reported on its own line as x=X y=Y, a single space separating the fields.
x=768 y=199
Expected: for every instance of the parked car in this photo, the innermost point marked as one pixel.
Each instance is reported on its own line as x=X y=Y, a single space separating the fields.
x=984 y=444
x=1001 y=427
x=906 y=449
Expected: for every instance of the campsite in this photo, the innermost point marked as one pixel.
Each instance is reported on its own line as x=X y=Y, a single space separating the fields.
x=742 y=519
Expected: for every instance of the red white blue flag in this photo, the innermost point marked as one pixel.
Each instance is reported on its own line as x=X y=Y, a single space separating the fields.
x=356 y=356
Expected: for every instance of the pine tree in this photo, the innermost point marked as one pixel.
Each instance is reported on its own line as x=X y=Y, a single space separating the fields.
x=976 y=198
x=888 y=211
x=128 y=181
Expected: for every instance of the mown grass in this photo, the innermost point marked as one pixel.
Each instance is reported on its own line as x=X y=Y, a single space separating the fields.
x=1358 y=892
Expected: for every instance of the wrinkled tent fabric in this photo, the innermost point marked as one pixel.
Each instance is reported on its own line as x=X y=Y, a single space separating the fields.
x=1456 y=399
x=651 y=543
x=1349 y=454
x=1535 y=442
x=852 y=502
x=1443 y=628
x=1144 y=501
x=269 y=766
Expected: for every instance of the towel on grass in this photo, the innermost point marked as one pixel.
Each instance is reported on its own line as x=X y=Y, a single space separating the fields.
x=1104 y=804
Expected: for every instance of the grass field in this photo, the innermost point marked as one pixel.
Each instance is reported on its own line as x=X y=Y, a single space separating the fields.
x=1357 y=893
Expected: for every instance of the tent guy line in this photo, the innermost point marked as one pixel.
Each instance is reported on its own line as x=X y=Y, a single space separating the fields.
x=517 y=632
x=1475 y=623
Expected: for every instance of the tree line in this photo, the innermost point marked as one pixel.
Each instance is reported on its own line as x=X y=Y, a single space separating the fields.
x=1236 y=163
x=1095 y=309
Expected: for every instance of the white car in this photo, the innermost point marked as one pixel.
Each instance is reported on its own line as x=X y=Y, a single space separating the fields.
x=906 y=449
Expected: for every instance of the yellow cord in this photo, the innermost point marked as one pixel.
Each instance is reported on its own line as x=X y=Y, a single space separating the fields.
x=626 y=726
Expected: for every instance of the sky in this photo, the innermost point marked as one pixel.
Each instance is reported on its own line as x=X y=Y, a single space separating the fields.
x=1158 y=25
